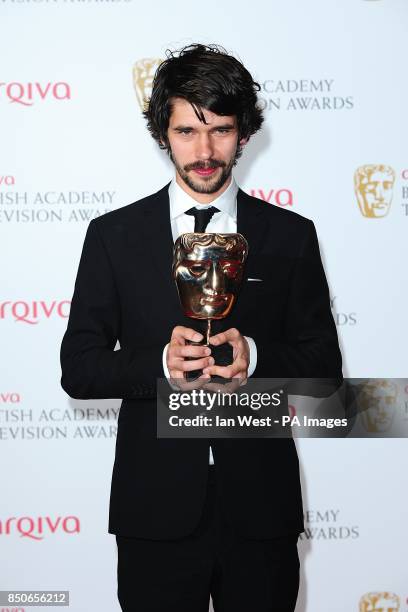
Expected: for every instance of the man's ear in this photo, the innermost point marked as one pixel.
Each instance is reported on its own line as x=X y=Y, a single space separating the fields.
x=243 y=142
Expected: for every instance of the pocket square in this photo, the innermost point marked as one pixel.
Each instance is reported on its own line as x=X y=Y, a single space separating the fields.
x=258 y=280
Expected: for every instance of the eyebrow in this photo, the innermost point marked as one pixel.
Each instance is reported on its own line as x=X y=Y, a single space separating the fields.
x=224 y=126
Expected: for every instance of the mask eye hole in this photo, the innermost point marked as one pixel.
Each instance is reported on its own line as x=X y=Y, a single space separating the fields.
x=197 y=268
x=231 y=268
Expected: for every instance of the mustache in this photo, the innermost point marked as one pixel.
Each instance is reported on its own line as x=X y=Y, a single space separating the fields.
x=200 y=165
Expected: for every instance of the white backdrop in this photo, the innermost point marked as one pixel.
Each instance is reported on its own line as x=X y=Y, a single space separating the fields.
x=74 y=144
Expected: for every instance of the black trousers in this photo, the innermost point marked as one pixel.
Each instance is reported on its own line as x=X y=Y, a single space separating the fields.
x=241 y=575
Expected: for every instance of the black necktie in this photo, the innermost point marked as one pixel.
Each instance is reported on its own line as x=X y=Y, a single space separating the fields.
x=202 y=217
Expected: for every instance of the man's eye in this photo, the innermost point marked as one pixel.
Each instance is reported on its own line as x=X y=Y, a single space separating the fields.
x=184 y=132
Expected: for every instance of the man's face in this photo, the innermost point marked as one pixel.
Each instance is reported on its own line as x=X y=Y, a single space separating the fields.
x=203 y=153
x=208 y=280
x=375 y=194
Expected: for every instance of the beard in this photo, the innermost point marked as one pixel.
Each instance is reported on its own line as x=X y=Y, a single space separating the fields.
x=207 y=184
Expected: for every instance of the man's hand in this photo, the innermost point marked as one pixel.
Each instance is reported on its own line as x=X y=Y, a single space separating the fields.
x=239 y=367
x=177 y=352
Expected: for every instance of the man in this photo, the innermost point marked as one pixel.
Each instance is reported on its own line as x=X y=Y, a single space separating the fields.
x=186 y=528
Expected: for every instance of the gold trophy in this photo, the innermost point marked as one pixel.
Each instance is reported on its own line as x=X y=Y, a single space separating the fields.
x=373 y=185
x=208 y=270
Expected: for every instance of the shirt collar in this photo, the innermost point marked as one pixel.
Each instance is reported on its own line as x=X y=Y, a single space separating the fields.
x=180 y=201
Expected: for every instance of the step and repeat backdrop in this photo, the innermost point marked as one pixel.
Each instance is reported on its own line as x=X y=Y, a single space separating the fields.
x=74 y=145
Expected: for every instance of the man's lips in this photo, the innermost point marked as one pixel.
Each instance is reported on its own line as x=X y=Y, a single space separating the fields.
x=205 y=171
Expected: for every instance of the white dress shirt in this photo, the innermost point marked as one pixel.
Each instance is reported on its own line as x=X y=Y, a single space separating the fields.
x=223 y=222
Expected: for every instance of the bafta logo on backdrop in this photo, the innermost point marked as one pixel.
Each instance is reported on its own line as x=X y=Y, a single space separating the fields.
x=373 y=185
x=379 y=602
x=143 y=73
x=377 y=405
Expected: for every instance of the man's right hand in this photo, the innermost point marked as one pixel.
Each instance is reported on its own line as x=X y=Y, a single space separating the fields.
x=178 y=350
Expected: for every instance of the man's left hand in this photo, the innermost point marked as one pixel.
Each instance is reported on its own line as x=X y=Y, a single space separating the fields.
x=239 y=367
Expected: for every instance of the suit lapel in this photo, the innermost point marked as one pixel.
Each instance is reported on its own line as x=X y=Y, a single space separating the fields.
x=158 y=241
x=249 y=222
x=157 y=228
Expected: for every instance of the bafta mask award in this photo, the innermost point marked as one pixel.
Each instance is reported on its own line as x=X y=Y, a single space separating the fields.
x=208 y=270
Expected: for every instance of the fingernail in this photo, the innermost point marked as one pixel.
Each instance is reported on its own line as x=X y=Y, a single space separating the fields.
x=197 y=337
x=211 y=361
x=207 y=351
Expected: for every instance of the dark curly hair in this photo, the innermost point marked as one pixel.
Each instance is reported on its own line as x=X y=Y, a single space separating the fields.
x=209 y=78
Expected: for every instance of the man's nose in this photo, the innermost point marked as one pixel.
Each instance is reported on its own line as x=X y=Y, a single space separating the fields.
x=204 y=149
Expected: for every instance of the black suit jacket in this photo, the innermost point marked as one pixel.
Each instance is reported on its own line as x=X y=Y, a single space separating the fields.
x=124 y=291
